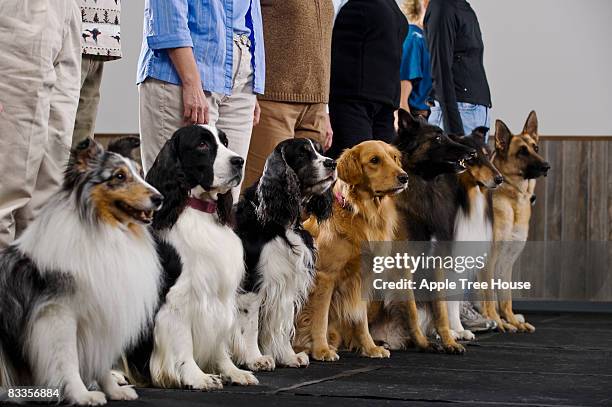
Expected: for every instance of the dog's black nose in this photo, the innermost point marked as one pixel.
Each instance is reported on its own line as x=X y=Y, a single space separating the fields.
x=498 y=179
x=545 y=167
x=331 y=164
x=237 y=161
x=472 y=154
x=403 y=178
x=157 y=199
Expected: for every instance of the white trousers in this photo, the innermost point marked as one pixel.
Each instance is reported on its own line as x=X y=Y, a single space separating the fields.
x=40 y=72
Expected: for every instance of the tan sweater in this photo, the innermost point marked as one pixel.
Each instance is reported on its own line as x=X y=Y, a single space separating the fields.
x=297 y=35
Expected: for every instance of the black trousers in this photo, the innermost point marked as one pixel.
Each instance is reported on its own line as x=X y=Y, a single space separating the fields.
x=354 y=121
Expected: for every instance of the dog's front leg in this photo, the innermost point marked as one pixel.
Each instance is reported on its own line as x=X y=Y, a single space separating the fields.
x=246 y=333
x=172 y=362
x=52 y=346
x=361 y=334
x=229 y=372
x=414 y=328
x=441 y=324
x=320 y=301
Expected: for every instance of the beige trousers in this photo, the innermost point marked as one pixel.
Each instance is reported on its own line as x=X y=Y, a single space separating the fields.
x=161 y=111
x=280 y=121
x=39 y=90
x=89 y=99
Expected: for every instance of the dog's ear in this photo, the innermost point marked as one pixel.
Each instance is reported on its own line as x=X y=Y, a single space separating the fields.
x=225 y=204
x=85 y=155
x=349 y=167
x=502 y=137
x=406 y=121
x=83 y=158
x=167 y=176
x=531 y=126
x=480 y=133
x=278 y=192
x=125 y=146
x=321 y=205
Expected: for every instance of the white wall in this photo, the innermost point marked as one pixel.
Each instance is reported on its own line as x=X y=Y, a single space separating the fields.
x=550 y=55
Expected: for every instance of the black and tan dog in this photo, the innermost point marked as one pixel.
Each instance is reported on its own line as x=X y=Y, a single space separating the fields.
x=451 y=201
x=432 y=160
x=517 y=158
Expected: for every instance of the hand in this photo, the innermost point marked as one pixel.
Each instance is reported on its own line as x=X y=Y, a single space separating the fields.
x=329 y=133
x=195 y=105
x=256 y=113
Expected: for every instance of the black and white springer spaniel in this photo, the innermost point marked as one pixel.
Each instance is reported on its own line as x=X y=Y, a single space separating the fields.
x=191 y=342
x=279 y=253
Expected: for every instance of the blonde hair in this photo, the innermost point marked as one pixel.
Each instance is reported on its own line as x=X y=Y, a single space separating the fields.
x=412 y=9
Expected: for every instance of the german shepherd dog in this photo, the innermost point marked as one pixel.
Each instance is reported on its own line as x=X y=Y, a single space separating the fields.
x=428 y=210
x=517 y=157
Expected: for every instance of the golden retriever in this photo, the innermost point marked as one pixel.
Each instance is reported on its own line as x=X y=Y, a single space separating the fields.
x=369 y=174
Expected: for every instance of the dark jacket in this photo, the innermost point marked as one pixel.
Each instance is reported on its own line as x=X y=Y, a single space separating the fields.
x=367 y=51
x=455 y=44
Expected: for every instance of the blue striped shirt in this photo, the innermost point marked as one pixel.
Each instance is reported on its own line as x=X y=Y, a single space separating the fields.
x=205 y=26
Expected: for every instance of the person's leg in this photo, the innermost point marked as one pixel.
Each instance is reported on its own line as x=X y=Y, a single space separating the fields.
x=435 y=118
x=383 y=126
x=351 y=121
x=161 y=114
x=312 y=124
x=26 y=85
x=474 y=116
x=235 y=114
x=277 y=123
x=91 y=78
x=62 y=113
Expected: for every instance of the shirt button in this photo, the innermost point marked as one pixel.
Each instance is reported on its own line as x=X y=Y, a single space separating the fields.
x=465 y=90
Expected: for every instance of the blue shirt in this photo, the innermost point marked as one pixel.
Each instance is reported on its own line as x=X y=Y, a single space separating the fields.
x=416 y=68
x=241 y=11
x=202 y=25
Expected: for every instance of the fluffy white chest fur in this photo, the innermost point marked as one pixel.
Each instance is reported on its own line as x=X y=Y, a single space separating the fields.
x=213 y=267
x=116 y=276
x=474 y=225
x=286 y=272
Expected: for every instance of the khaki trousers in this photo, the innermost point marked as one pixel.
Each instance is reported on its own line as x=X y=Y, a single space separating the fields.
x=161 y=111
x=39 y=90
x=89 y=99
x=280 y=121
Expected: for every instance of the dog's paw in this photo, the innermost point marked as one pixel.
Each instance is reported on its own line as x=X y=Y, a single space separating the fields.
x=298 y=360
x=240 y=377
x=123 y=393
x=453 y=348
x=525 y=327
x=262 y=363
x=432 y=347
x=325 y=355
x=376 y=352
x=464 y=335
x=88 y=398
x=204 y=382
x=303 y=359
x=119 y=377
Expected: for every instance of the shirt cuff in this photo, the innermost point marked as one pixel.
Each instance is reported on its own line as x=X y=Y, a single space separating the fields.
x=177 y=40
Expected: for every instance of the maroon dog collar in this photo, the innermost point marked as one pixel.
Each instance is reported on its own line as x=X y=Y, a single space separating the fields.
x=201 y=205
x=342 y=201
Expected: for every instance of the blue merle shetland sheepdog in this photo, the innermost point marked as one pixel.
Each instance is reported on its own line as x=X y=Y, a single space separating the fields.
x=81 y=284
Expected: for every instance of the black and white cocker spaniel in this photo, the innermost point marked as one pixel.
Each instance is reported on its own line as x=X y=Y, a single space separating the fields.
x=279 y=253
x=191 y=341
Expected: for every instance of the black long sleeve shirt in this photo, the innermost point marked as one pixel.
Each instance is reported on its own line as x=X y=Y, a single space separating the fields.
x=457 y=52
x=367 y=51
